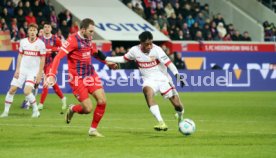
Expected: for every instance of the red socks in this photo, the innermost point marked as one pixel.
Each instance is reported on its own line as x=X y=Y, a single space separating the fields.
x=78 y=109
x=58 y=91
x=43 y=95
x=98 y=114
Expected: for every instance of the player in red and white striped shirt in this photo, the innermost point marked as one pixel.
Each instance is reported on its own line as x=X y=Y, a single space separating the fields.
x=30 y=63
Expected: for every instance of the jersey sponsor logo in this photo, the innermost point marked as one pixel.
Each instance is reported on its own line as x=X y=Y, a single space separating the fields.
x=31 y=53
x=147 y=64
x=86 y=55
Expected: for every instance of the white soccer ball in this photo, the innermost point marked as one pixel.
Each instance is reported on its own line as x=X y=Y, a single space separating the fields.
x=187 y=127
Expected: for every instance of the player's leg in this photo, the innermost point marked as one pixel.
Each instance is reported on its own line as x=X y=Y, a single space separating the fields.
x=85 y=106
x=31 y=98
x=154 y=108
x=43 y=97
x=26 y=104
x=29 y=86
x=178 y=106
x=61 y=96
x=99 y=95
x=15 y=84
x=9 y=100
x=168 y=91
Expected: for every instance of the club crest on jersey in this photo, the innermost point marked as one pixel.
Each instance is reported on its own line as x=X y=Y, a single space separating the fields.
x=152 y=58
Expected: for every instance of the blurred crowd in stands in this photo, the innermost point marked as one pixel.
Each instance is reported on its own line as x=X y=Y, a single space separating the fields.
x=15 y=15
x=178 y=19
x=186 y=20
x=269 y=28
x=269 y=3
x=269 y=31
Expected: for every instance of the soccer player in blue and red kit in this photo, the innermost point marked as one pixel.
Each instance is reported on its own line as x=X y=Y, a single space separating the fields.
x=53 y=44
x=83 y=78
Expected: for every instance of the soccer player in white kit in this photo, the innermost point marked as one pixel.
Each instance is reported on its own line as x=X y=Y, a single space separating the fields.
x=153 y=62
x=29 y=69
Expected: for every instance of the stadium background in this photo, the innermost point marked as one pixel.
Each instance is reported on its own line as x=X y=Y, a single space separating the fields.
x=240 y=124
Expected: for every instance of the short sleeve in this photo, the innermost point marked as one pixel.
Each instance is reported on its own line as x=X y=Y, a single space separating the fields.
x=162 y=57
x=94 y=49
x=20 y=47
x=42 y=49
x=130 y=55
x=69 y=45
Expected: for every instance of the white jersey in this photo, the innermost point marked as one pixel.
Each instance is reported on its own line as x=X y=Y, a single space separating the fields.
x=153 y=65
x=31 y=51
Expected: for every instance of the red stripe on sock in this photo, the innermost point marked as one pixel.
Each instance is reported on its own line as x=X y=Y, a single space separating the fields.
x=8 y=102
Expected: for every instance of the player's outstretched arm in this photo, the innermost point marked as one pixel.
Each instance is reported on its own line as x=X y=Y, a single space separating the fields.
x=51 y=80
x=179 y=77
x=119 y=59
x=99 y=55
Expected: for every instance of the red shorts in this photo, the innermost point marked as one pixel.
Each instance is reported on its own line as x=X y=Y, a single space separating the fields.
x=82 y=87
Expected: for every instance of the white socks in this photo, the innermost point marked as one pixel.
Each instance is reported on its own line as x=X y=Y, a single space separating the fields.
x=31 y=99
x=8 y=102
x=180 y=114
x=156 y=112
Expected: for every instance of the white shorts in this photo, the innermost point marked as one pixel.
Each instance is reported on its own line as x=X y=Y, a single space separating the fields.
x=28 y=79
x=167 y=89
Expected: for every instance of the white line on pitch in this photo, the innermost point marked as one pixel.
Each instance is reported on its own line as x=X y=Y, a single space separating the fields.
x=123 y=128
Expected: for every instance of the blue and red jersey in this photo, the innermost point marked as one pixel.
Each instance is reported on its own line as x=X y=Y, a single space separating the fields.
x=53 y=45
x=79 y=51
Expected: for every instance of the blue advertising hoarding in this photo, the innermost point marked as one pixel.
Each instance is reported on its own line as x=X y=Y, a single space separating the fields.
x=234 y=72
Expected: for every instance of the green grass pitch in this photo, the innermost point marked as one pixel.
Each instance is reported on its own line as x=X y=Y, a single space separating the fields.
x=229 y=125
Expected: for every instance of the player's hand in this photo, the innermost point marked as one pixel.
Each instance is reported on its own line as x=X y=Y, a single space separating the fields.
x=112 y=65
x=180 y=79
x=16 y=74
x=38 y=78
x=50 y=80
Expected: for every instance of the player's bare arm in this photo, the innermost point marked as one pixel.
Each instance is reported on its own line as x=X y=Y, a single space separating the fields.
x=16 y=74
x=119 y=59
x=40 y=72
